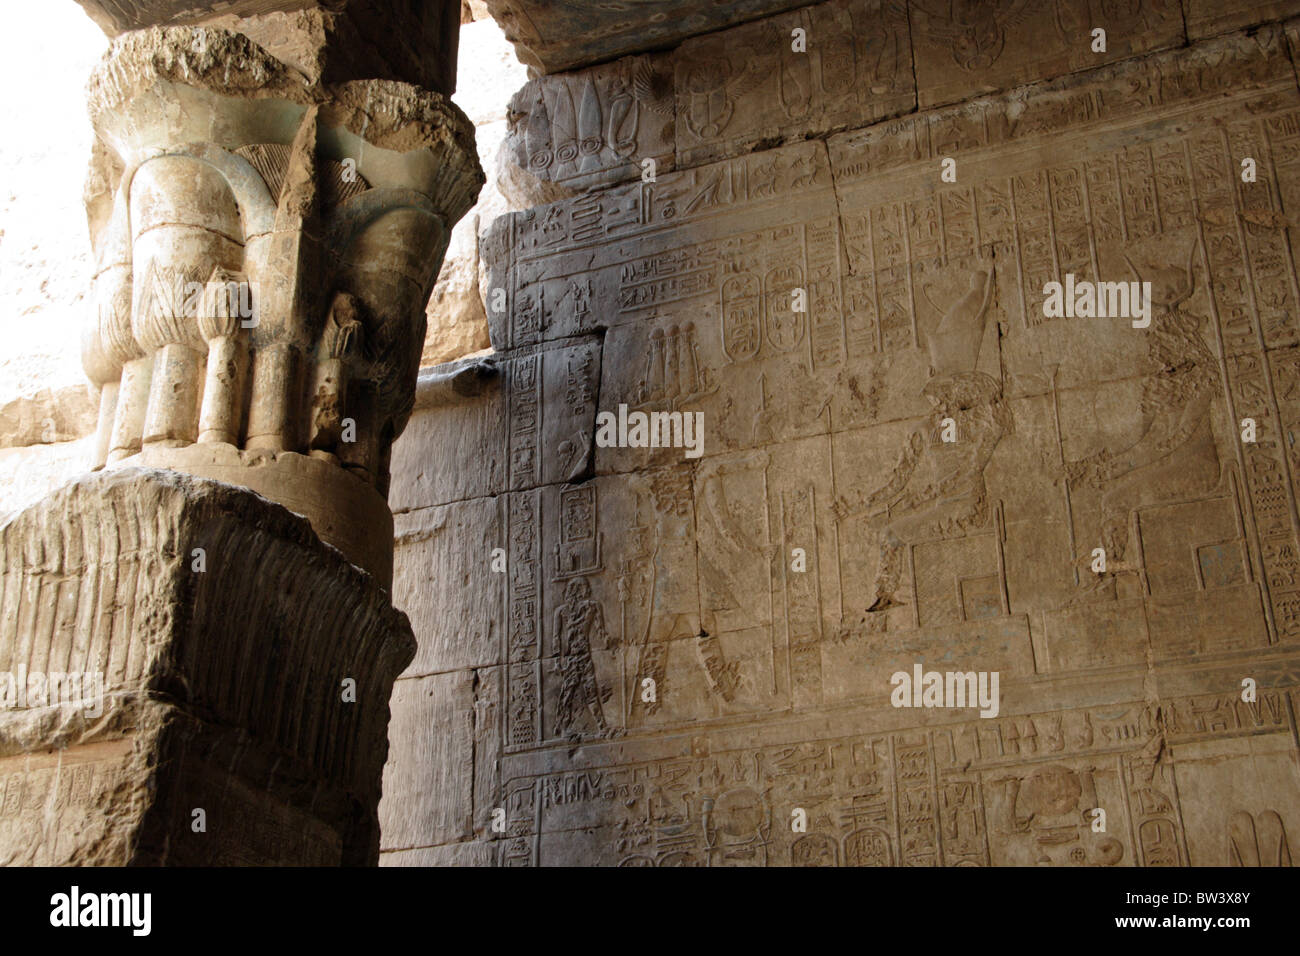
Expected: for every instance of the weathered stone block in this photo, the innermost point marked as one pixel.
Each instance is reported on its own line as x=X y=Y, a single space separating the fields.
x=1207 y=18
x=238 y=666
x=748 y=87
x=451 y=854
x=716 y=96
x=458 y=614
x=533 y=424
x=571 y=33
x=428 y=787
x=964 y=49
x=331 y=42
x=47 y=417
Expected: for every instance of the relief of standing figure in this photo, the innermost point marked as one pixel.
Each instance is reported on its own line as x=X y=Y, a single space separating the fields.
x=580 y=623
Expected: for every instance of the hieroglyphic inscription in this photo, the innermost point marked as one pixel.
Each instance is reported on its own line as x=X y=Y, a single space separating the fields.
x=944 y=456
x=1017 y=790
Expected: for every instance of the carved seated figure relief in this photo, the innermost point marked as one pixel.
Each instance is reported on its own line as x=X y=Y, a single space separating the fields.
x=937 y=489
x=1176 y=457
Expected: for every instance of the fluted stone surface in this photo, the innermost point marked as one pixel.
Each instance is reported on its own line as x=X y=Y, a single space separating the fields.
x=224 y=634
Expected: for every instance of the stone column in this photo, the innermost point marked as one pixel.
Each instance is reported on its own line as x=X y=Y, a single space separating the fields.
x=269 y=201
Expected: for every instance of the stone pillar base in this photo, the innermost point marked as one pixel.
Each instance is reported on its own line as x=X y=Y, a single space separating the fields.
x=188 y=676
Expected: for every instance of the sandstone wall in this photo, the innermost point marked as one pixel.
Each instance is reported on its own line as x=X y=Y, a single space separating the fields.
x=917 y=469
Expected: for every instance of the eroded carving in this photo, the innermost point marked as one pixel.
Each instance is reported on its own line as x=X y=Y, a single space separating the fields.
x=310 y=261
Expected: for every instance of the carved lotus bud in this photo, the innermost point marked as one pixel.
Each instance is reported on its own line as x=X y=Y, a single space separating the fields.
x=227 y=302
x=113 y=293
x=99 y=364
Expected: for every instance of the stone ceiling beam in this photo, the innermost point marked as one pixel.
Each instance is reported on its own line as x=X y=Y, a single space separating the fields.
x=332 y=41
x=555 y=35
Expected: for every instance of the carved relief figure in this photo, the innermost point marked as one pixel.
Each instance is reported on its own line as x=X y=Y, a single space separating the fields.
x=732 y=564
x=1048 y=813
x=882 y=49
x=1176 y=456
x=669 y=616
x=711 y=88
x=937 y=487
x=977 y=29
x=580 y=623
x=737 y=826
